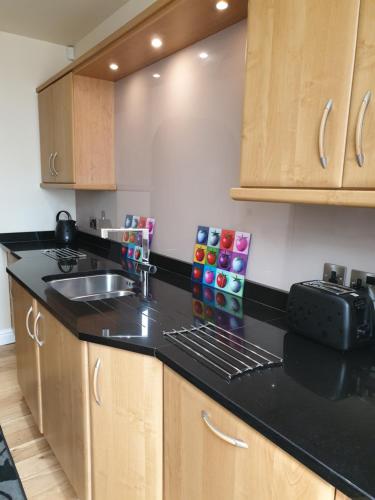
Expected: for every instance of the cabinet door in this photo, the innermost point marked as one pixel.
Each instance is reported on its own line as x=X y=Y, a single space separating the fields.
x=27 y=352
x=45 y=104
x=300 y=55
x=65 y=399
x=126 y=424
x=359 y=170
x=63 y=161
x=200 y=465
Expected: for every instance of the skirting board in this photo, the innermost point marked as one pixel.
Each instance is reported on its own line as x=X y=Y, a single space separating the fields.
x=7 y=336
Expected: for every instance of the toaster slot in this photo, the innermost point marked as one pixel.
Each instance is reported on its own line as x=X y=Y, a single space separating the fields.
x=332 y=288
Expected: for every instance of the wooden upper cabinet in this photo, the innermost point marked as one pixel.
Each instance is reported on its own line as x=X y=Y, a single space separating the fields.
x=76 y=120
x=45 y=102
x=201 y=465
x=359 y=170
x=300 y=55
x=62 y=116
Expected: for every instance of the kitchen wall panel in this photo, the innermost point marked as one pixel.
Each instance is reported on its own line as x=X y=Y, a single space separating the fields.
x=24 y=206
x=178 y=154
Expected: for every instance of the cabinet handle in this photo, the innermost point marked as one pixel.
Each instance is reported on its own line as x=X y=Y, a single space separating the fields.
x=358 y=131
x=228 y=439
x=27 y=322
x=36 y=330
x=95 y=384
x=49 y=164
x=322 y=131
x=53 y=164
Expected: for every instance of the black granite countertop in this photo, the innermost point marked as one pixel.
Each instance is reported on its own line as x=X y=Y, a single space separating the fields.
x=319 y=406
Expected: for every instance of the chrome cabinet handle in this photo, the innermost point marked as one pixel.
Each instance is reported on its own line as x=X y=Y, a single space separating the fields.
x=53 y=164
x=49 y=164
x=358 y=131
x=27 y=322
x=322 y=130
x=95 y=382
x=228 y=439
x=36 y=330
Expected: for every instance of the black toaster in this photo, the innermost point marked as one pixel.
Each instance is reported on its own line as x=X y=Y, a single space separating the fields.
x=334 y=315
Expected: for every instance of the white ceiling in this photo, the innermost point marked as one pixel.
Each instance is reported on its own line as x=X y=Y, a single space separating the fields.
x=58 y=21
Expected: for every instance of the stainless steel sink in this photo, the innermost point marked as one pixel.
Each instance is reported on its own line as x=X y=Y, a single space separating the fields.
x=96 y=287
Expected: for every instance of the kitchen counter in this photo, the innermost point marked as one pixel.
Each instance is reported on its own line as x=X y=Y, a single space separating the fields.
x=319 y=406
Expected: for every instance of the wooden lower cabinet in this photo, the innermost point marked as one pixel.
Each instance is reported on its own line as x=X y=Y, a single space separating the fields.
x=64 y=378
x=200 y=465
x=103 y=416
x=27 y=350
x=126 y=404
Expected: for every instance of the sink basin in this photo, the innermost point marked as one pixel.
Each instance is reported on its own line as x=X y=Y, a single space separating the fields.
x=94 y=287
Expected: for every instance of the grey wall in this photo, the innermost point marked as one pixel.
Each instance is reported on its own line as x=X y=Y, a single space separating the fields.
x=178 y=154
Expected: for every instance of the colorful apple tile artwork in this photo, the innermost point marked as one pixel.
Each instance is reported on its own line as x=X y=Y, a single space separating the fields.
x=220 y=258
x=132 y=240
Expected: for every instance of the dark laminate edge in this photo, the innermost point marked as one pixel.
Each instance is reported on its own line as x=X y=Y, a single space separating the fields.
x=27 y=237
x=284 y=443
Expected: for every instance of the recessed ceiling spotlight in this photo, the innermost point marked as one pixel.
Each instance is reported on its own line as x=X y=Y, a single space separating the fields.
x=203 y=55
x=156 y=43
x=156 y=75
x=222 y=5
x=113 y=66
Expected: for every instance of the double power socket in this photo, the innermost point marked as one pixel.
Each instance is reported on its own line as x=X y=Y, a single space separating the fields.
x=337 y=274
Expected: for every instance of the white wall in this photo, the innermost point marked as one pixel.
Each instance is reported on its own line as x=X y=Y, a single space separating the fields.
x=178 y=154
x=122 y=15
x=24 y=206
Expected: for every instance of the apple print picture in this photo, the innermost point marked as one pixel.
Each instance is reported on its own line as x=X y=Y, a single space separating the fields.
x=214 y=235
x=132 y=240
x=220 y=258
x=242 y=242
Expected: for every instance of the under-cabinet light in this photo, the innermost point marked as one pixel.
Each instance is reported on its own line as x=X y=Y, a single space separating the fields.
x=113 y=66
x=222 y=5
x=156 y=43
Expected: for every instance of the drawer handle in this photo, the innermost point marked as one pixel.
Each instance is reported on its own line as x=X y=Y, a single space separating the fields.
x=53 y=164
x=228 y=439
x=27 y=322
x=322 y=131
x=36 y=330
x=96 y=382
x=359 y=129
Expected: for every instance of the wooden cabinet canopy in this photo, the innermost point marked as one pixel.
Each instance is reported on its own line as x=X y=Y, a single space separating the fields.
x=178 y=23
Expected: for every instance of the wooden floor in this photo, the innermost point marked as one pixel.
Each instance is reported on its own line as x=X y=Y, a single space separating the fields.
x=40 y=472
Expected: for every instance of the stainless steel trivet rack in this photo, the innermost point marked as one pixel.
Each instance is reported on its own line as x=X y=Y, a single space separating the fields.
x=225 y=352
x=63 y=254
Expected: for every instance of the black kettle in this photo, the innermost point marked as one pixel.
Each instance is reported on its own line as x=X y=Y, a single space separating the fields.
x=66 y=230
